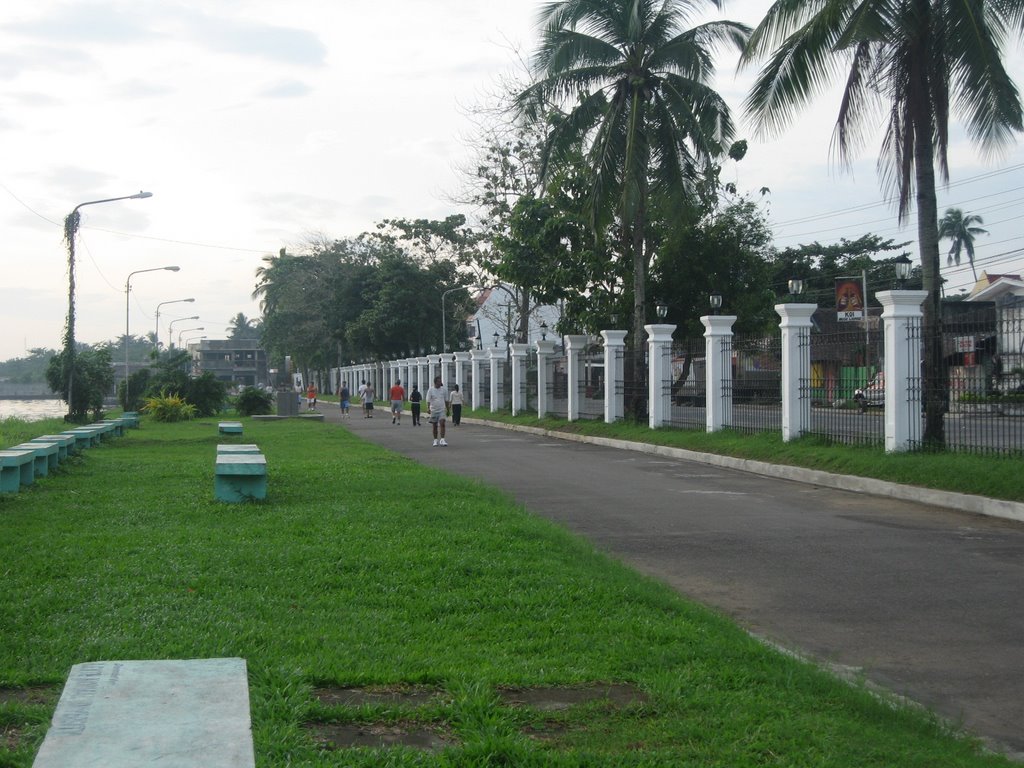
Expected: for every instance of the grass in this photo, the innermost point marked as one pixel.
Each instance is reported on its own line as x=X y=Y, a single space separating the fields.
x=363 y=568
x=998 y=477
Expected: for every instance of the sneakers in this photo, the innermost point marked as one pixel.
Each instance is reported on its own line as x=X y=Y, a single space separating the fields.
x=435 y=443
x=442 y=441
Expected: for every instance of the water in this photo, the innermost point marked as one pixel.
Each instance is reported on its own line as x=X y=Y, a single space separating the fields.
x=32 y=410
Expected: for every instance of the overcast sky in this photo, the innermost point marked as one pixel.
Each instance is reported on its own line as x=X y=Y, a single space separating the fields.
x=255 y=124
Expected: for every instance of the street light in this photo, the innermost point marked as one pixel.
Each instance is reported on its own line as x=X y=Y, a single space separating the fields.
x=661 y=308
x=156 y=336
x=796 y=286
x=186 y=330
x=543 y=331
x=170 y=329
x=715 y=299
x=127 y=307
x=903 y=268
x=71 y=222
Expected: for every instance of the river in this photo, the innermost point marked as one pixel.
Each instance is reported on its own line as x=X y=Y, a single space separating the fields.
x=32 y=410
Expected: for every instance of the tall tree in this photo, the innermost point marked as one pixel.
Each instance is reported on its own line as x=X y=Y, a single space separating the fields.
x=917 y=60
x=242 y=327
x=637 y=87
x=961 y=231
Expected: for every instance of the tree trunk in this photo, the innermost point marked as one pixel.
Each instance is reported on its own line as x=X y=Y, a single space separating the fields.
x=935 y=388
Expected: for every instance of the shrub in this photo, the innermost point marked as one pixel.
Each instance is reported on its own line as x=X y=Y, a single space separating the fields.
x=206 y=393
x=169 y=407
x=252 y=401
x=138 y=382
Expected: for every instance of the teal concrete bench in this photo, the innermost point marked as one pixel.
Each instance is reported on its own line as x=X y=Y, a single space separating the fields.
x=117 y=426
x=45 y=455
x=230 y=427
x=240 y=477
x=226 y=449
x=132 y=418
x=85 y=437
x=175 y=713
x=65 y=444
x=17 y=468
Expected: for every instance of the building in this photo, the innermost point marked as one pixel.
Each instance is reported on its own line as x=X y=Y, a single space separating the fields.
x=237 y=362
x=497 y=312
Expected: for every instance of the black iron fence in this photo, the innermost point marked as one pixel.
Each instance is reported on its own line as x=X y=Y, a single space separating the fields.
x=756 y=390
x=687 y=389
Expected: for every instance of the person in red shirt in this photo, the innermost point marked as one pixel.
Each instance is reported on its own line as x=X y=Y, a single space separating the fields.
x=397 y=397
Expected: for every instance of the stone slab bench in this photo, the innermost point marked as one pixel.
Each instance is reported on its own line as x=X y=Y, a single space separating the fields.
x=132 y=417
x=240 y=477
x=126 y=714
x=17 y=468
x=45 y=455
x=230 y=427
x=118 y=426
x=65 y=444
x=223 y=450
x=87 y=437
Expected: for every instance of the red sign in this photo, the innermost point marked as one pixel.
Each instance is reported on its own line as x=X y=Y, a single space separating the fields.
x=849 y=299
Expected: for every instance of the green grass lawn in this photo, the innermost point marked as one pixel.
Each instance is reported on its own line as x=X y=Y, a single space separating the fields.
x=364 y=569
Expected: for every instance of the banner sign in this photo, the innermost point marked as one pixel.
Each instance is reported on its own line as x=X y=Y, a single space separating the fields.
x=849 y=299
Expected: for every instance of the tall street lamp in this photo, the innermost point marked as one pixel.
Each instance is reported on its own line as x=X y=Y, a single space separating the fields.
x=156 y=336
x=127 y=315
x=170 y=329
x=187 y=330
x=71 y=222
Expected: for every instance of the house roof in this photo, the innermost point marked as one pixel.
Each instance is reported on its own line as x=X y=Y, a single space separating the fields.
x=991 y=287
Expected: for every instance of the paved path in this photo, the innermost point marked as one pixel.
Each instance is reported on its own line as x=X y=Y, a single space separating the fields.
x=923 y=601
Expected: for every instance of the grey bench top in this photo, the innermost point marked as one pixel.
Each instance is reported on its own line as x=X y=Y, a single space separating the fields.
x=223 y=450
x=125 y=714
x=15 y=458
x=241 y=464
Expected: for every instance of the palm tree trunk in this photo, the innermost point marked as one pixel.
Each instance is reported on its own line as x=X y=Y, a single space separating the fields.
x=935 y=385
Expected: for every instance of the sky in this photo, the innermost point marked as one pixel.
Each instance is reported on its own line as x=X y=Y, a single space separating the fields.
x=257 y=125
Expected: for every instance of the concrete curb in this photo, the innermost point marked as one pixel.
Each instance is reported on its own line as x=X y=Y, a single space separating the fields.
x=963 y=502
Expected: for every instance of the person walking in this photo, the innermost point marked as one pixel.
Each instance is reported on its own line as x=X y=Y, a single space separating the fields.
x=415 y=397
x=368 y=394
x=311 y=396
x=344 y=399
x=437 y=406
x=397 y=395
x=456 y=402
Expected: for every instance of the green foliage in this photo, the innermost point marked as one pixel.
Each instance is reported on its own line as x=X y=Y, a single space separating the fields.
x=93 y=379
x=253 y=401
x=138 y=384
x=169 y=408
x=30 y=369
x=205 y=392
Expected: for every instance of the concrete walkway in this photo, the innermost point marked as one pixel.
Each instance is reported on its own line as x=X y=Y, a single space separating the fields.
x=923 y=601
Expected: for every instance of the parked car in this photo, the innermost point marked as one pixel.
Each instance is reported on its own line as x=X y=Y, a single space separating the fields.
x=872 y=395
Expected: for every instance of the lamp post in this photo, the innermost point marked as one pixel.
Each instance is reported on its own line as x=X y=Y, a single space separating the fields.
x=156 y=336
x=904 y=266
x=715 y=300
x=187 y=330
x=71 y=222
x=170 y=329
x=661 y=309
x=127 y=315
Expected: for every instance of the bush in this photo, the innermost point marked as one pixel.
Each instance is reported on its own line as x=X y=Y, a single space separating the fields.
x=138 y=382
x=206 y=393
x=93 y=379
x=252 y=401
x=169 y=407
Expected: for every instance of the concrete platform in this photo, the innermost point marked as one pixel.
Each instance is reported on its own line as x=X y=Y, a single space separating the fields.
x=125 y=714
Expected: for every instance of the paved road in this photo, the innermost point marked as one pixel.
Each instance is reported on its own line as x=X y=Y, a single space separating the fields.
x=923 y=601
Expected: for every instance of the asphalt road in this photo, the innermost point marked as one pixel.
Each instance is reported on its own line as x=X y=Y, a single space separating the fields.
x=925 y=602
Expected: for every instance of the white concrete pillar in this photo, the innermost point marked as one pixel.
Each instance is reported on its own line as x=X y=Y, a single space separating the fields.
x=614 y=372
x=421 y=374
x=718 y=346
x=520 y=354
x=545 y=351
x=496 y=358
x=434 y=368
x=477 y=359
x=796 y=368
x=659 y=374
x=461 y=372
x=901 y=312
x=574 y=345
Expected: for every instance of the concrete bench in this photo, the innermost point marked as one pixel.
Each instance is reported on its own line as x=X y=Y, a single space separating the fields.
x=230 y=427
x=117 y=426
x=65 y=444
x=132 y=417
x=121 y=714
x=223 y=450
x=17 y=468
x=45 y=455
x=240 y=477
x=85 y=437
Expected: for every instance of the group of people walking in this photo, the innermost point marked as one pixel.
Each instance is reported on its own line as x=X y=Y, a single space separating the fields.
x=440 y=404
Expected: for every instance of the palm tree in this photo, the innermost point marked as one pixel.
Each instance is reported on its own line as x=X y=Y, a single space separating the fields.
x=242 y=327
x=636 y=84
x=961 y=230
x=916 y=59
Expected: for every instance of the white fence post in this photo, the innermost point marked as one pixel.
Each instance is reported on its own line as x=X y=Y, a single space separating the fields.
x=461 y=358
x=519 y=355
x=901 y=312
x=718 y=346
x=796 y=367
x=545 y=351
x=497 y=358
x=574 y=345
x=477 y=358
x=659 y=374
x=614 y=372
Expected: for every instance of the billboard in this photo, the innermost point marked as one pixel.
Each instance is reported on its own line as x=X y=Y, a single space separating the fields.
x=849 y=298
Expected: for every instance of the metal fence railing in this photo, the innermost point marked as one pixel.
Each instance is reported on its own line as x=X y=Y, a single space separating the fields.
x=757 y=383
x=687 y=389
